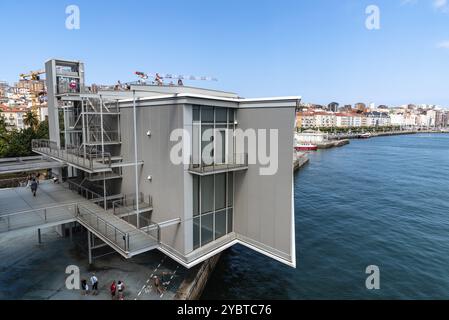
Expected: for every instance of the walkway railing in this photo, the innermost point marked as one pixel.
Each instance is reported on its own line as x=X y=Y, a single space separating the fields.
x=85 y=192
x=73 y=154
x=37 y=217
x=235 y=162
x=127 y=205
x=110 y=232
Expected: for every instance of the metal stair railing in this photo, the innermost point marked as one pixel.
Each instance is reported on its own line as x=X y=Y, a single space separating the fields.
x=106 y=229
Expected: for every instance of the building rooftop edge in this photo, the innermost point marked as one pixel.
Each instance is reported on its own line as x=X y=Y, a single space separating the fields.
x=208 y=97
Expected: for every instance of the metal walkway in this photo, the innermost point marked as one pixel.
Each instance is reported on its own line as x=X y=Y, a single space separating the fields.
x=56 y=205
x=27 y=164
x=89 y=162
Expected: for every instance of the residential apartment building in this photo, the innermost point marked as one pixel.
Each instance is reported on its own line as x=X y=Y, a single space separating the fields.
x=13 y=117
x=378 y=119
x=325 y=120
x=308 y=120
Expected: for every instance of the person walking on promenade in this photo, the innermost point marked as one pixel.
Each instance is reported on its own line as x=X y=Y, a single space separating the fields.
x=113 y=290
x=121 y=289
x=94 y=282
x=33 y=187
x=158 y=285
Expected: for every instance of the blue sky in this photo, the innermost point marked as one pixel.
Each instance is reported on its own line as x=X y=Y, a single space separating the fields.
x=318 y=49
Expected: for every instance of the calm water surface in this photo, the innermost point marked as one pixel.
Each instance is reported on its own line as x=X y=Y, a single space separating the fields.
x=383 y=201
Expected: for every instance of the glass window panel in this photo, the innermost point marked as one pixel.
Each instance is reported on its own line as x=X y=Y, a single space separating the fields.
x=207 y=143
x=207 y=194
x=231 y=115
x=220 y=144
x=230 y=142
x=196 y=195
x=220 y=224
x=221 y=115
x=220 y=191
x=230 y=220
x=207 y=114
x=196 y=233
x=230 y=189
x=207 y=228
x=196 y=150
x=196 y=113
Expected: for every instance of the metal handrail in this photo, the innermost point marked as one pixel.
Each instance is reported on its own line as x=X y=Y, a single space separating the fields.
x=237 y=161
x=130 y=200
x=39 y=209
x=87 y=191
x=65 y=206
x=125 y=235
x=72 y=151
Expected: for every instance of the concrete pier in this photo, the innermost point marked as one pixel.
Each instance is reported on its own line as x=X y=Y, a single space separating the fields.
x=299 y=160
x=333 y=144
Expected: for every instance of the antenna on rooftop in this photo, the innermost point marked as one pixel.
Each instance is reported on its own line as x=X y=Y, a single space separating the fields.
x=159 y=77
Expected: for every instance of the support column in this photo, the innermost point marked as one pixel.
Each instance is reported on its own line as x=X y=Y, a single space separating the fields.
x=39 y=236
x=89 y=246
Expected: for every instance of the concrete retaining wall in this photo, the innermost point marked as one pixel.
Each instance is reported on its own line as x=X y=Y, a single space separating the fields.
x=193 y=285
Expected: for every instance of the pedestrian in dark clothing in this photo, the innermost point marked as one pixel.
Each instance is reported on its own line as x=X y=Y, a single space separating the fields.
x=34 y=187
x=84 y=287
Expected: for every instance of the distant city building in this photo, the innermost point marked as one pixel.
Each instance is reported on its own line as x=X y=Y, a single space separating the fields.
x=360 y=106
x=333 y=106
x=13 y=117
x=378 y=119
x=406 y=116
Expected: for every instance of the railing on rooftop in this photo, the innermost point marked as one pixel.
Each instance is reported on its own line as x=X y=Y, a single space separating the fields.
x=235 y=161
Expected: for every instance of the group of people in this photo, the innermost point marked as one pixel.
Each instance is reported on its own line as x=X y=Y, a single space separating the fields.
x=116 y=289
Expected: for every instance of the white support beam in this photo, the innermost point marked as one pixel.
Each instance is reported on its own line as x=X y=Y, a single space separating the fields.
x=136 y=165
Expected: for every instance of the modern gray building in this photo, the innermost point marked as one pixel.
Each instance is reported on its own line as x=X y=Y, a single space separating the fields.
x=179 y=169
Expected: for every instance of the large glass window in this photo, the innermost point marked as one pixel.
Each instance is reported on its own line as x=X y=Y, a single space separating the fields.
x=213 y=218
x=213 y=128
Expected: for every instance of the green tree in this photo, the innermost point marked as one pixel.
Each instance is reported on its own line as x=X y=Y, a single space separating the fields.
x=42 y=130
x=30 y=119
